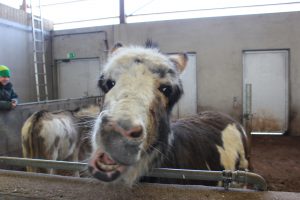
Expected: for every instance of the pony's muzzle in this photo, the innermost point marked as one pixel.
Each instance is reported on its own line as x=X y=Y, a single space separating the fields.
x=121 y=139
x=124 y=127
x=134 y=132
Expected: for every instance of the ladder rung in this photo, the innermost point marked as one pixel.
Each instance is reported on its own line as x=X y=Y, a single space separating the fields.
x=38 y=40
x=37 y=62
x=40 y=74
x=43 y=97
x=37 y=18
x=38 y=51
x=39 y=85
x=37 y=30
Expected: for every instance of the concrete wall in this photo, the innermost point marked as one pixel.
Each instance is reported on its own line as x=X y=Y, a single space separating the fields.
x=16 y=51
x=218 y=43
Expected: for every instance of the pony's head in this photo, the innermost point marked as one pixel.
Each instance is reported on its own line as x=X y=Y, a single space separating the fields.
x=141 y=86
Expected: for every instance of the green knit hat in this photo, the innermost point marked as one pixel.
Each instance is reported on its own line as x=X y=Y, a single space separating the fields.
x=4 y=71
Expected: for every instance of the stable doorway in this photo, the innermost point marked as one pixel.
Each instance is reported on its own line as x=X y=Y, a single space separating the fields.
x=265 y=90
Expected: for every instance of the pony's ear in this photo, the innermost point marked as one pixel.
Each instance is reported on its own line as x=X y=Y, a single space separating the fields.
x=149 y=44
x=180 y=60
x=116 y=47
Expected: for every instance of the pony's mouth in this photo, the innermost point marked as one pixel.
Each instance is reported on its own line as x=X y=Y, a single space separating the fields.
x=104 y=168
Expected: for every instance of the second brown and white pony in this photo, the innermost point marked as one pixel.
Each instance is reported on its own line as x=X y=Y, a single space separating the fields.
x=58 y=135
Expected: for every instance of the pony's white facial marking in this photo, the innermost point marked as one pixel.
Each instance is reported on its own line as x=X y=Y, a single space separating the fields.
x=151 y=60
x=95 y=135
x=138 y=83
x=132 y=94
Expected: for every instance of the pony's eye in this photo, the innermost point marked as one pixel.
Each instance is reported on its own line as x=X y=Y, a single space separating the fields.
x=106 y=84
x=166 y=90
x=110 y=84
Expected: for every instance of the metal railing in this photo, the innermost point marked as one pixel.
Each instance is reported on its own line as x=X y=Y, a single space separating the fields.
x=226 y=176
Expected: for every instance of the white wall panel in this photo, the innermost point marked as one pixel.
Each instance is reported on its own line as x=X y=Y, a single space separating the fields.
x=78 y=78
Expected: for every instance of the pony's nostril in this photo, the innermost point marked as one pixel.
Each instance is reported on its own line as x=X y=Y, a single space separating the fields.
x=135 y=132
x=127 y=129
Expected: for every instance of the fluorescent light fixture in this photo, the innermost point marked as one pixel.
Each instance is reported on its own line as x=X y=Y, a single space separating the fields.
x=267 y=133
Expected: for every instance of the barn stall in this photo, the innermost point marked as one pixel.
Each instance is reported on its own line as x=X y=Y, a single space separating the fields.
x=220 y=50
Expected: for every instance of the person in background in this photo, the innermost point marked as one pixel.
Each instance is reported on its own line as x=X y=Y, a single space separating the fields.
x=8 y=98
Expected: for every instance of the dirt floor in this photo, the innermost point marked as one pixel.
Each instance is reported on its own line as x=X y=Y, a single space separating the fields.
x=277 y=159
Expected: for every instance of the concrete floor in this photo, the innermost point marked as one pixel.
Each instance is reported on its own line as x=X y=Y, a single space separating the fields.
x=21 y=185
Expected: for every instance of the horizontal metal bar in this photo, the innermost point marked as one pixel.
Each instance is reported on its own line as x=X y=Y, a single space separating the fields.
x=250 y=178
x=59 y=3
x=61 y=100
x=157 y=172
x=226 y=176
x=54 y=164
x=86 y=20
x=187 y=174
x=215 y=8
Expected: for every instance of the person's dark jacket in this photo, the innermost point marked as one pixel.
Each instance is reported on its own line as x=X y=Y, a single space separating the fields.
x=7 y=94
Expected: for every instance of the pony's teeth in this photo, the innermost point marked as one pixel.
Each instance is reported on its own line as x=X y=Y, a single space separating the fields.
x=107 y=167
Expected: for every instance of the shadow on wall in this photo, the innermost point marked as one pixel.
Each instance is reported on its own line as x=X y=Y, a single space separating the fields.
x=11 y=122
